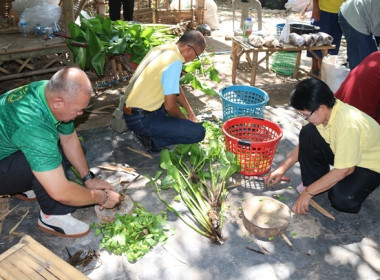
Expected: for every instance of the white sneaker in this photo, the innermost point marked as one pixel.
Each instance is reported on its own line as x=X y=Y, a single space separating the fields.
x=26 y=196
x=62 y=225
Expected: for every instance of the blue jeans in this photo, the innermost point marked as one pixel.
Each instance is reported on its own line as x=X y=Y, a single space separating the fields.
x=359 y=45
x=165 y=130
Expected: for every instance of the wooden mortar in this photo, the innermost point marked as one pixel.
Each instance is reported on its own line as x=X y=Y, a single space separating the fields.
x=109 y=215
x=265 y=216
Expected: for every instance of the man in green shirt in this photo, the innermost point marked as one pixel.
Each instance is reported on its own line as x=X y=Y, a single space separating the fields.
x=36 y=137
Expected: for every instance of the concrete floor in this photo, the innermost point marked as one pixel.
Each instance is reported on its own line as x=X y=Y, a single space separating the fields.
x=347 y=248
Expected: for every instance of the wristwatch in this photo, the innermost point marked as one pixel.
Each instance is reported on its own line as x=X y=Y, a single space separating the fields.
x=89 y=175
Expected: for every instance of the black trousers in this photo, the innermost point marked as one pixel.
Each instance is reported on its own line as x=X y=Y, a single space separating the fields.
x=115 y=8
x=315 y=158
x=16 y=176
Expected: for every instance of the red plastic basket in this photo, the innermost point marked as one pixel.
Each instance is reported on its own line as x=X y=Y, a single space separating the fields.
x=253 y=141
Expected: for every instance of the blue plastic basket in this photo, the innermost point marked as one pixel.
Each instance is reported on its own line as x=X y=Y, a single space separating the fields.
x=241 y=100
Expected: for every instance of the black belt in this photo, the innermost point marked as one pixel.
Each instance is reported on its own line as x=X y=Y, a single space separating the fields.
x=135 y=111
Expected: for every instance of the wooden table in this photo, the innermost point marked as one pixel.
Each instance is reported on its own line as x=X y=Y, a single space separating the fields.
x=240 y=48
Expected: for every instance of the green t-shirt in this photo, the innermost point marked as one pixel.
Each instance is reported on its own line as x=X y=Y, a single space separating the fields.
x=28 y=125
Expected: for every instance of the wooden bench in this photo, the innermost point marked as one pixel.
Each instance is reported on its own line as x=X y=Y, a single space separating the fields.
x=28 y=259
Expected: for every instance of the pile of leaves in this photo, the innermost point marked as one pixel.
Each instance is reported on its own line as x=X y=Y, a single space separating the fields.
x=134 y=234
x=100 y=37
x=200 y=176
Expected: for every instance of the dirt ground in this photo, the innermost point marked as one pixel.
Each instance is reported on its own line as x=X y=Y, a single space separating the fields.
x=105 y=99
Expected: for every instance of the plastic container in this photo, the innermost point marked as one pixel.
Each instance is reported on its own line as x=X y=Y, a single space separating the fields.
x=253 y=141
x=284 y=63
x=247 y=29
x=302 y=28
x=22 y=25
x=279 y=28
x=242 y=100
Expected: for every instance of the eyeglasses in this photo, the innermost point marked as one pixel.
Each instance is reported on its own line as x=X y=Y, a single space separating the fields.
x=306 y=117
x=194 y=52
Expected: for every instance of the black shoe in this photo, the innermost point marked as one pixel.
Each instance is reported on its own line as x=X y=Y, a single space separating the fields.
x=146 y=143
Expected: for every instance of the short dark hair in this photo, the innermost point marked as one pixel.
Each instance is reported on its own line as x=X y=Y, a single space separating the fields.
x=193 y=37
x=311 y=93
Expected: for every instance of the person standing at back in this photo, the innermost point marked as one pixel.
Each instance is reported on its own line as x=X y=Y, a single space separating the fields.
x=361 y=88
x=360 y=23
x=115 y=9
x=325 y=16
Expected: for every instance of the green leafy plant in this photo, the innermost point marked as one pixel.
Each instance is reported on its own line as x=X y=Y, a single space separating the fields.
x=199 y=176
x=195 y=68
x=134 y=234
x=213 y=132
x=99 y=37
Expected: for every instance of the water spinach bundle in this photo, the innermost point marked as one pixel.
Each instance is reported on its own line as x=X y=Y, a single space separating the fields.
x=200 y=176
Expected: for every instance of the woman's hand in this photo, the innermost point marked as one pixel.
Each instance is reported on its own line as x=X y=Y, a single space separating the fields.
x=273 y=177
x=301 y=206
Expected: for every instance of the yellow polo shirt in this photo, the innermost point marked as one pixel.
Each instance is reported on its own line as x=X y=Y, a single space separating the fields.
x=353 y=136
x=147 y=92
x=331 y=6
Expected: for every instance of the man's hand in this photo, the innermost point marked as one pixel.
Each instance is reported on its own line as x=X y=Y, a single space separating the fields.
x=98 y=184
x=111 y=198
x=193 y=118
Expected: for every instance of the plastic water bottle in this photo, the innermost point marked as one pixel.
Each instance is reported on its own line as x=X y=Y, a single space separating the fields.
x=22 y=25
x=247 y=29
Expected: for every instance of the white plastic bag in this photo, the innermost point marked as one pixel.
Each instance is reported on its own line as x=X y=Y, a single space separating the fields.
x=211 y=14
x=299 y=5
x=45 y=15
x=20 y=5
x=284 y=37
x=333 y=72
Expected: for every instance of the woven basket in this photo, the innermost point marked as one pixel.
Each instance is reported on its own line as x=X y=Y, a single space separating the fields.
x=241 y=100
x=284 y=63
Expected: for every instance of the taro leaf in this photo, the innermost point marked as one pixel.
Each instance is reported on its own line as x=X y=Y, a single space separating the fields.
x=117 y=47
x=96 y=25
x=76 y=32
x=196 y=84
x=191 y=67
x=84 y=23
x=182 y=149
x=147 y=33
x=186 y=79
x=165 y=159
x=98 y=61
x=81 y=57
x=214 y=75
x=107 y=26
x=158 y=175
x=167 y=182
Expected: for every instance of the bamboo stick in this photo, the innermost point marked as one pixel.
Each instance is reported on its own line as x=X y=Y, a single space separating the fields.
x=322 y=210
